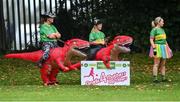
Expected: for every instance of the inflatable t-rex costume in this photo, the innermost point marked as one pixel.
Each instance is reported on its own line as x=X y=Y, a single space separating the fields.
x=59 y=59
x=120 y=44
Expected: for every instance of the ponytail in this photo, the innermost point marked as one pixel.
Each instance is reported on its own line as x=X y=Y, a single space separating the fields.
x=153 y=24
x=93 y=29
x=156 y=21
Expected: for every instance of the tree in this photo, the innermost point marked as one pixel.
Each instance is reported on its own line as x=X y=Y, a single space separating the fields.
x=126 y=17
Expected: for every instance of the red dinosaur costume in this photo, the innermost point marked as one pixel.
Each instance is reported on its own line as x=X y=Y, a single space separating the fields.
x=59 y=59
x=120 y=44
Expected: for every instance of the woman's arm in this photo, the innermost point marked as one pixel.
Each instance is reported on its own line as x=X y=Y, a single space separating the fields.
x=152 y=37
x=54 y=35
x=152 y=43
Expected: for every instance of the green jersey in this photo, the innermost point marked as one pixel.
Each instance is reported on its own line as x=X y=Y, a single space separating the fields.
x=97 y=37
x=159 y=35
x=46 y=29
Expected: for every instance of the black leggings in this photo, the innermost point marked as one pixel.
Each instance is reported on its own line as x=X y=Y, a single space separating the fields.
x=93 y=50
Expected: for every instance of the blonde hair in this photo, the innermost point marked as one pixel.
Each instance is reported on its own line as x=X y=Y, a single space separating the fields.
x=96 y=22
x=93 y=29
x=156 y=21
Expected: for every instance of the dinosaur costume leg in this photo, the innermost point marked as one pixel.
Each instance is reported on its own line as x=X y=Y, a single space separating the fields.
x=53 y=75
x=45 y=74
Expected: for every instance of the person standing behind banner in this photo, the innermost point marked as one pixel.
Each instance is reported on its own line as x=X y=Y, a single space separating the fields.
x=48 y=36
x=97 y=39
x=159 y=50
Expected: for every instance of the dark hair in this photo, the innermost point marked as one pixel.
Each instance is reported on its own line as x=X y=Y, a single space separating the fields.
x=97 y=22
x=42 y=20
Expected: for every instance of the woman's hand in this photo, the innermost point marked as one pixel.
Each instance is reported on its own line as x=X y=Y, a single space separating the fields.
x=58 y=35
x=54 y=35
x=153 y=46
x=97 y=43
x=51 y=36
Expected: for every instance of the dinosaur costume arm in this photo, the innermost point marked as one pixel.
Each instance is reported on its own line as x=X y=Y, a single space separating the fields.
x=61 y=65
x=106 y=61
x=75 y=66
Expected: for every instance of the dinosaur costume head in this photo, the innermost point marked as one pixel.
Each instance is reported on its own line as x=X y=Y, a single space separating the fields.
x=77 y=43
x=122 y=41
x=77 y=46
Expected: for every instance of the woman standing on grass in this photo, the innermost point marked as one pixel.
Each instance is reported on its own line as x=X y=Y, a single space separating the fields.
x=160 y=50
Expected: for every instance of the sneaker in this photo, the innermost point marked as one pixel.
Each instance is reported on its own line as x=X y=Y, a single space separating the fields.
x=55 y=83
x=165 y=80
x=155 y=81
x=46 y=84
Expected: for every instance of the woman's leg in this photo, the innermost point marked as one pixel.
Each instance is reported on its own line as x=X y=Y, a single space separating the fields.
x=53 y=75
x=46 y=49
x=155 y=68
x=93 y=51
x=163 y=69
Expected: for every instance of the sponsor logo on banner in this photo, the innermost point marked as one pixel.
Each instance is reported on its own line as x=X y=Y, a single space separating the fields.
x=95 y=73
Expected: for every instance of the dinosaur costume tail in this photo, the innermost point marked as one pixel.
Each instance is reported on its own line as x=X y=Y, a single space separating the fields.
x=29 y=56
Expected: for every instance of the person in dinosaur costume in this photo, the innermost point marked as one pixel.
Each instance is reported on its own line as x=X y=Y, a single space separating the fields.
x=96 y=38
x=59 y=58
x=48 y=36
x=120 y=44
x=98 y=42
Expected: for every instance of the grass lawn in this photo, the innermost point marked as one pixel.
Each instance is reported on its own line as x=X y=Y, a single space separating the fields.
x=20 y=80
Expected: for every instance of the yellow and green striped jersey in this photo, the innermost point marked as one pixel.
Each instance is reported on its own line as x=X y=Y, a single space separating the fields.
x=159 y=35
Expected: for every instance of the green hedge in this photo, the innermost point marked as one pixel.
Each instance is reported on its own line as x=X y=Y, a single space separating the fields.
x=129 y=17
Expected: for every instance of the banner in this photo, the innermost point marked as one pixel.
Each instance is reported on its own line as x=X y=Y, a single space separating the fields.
x=95 y=73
